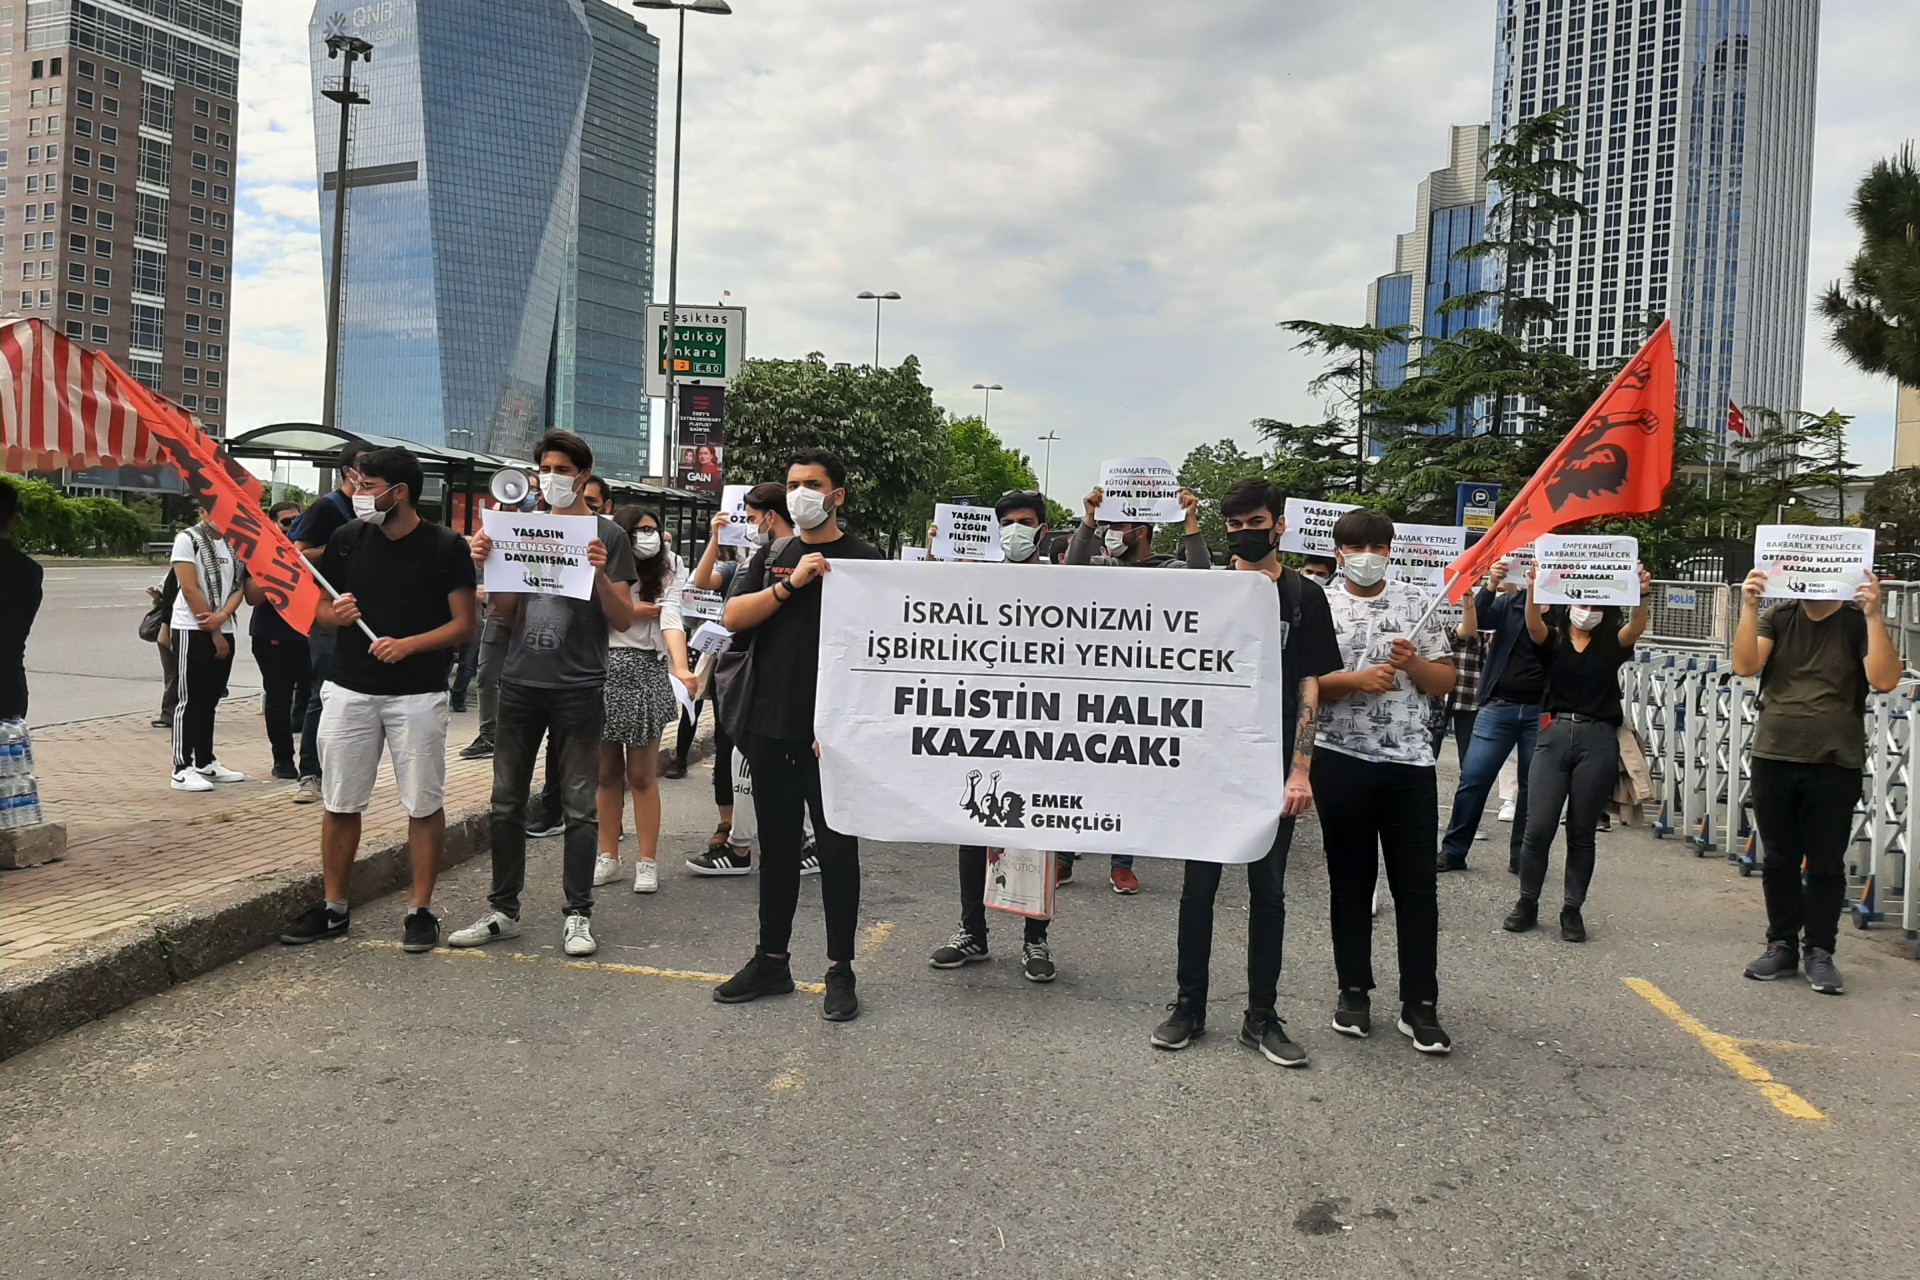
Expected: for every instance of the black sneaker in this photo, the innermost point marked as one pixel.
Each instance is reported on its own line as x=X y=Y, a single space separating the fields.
x=810 y=859
x=541 y=824
x=1525 y=915
x=1183 y=1026
x=1265 y=1030
x=675 y=768
x=1422 y=1022
x=1572 y=927
x=841 y=1004
x=286 y=773
x=479 y=749
x=724 y=861
x=457 y=703
x=1780 y=959
x=1446 y=864
x=421 y=931
x=961 y=949
x=1822 y=976
x=1353 y=1016
x=315 y=924
x=762 y=976
x=1037 y=962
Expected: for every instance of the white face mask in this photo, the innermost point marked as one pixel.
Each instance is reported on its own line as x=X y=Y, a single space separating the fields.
x=1019 y=541
x=364 y=509
x=1317 y=575
x=808 y=507
x=757 y=536
x=1364 y=568
x=646 y=543
x=1116 y=543
x=1584 y=619
x=557 y=490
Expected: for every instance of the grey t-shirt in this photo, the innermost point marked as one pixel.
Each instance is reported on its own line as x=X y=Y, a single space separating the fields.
x=561 y=643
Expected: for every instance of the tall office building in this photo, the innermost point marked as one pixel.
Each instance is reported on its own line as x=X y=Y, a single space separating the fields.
x=117 y=123
x=498 y=218
x=1692 y=122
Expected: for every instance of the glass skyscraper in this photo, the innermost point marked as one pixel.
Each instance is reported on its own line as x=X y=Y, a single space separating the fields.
x=1692 y=122
x=467 y=227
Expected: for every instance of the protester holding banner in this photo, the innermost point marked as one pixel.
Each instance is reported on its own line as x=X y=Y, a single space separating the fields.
x=640 y=703
x=778 y=602
x=1816 y=659
x=1253 y=511
x=1023 y=525
x=311 y=534
x=412 y=581
x=210 y=594
x=1582 y=648
x=1373 y=778
x=1511 y=683
x=553 y=683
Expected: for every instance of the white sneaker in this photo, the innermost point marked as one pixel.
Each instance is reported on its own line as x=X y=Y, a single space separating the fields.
x=577 y=938
x=605 y=870
x=1506 y=811
x=191 y=780
x=220 y=773
x=646 y=875
x=492 y=927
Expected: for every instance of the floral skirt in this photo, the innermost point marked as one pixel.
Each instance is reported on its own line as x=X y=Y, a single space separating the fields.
x=640 y=703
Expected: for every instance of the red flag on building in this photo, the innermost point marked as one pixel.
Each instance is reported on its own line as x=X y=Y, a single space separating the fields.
x=62 y=405
x=1616 y=461
x=1737 y=421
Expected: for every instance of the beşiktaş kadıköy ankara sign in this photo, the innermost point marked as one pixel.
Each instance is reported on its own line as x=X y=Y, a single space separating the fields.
x=1065 y=708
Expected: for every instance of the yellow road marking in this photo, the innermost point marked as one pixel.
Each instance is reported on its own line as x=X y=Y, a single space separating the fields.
x=602 y=966
x=874 y=938
x=789 y=1079
x=1727 y=1050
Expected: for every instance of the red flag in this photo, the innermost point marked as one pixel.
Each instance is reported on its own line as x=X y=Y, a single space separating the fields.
x=1737 y=421
x=62 y=405
x=1615 y=462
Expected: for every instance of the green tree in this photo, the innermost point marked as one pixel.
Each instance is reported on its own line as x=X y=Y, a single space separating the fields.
x=882 y=423
x=1350 y=385
x=1210 y=470
x=973 y=461
x=1893 y=507
x=1528 y=173
x=1874 y=313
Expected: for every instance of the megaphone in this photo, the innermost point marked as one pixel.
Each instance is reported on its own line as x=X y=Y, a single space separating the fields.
x=510 y=488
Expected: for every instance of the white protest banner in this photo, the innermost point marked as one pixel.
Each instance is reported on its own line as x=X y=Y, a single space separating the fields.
x=539 y=554
x=1077 y=709
x=738 y=530
x=1808 y=562
x=965 y=533
x=1519 y=564
x=1583 y=569
x=710 y=638
x=1310 y=525
x=910 y=552
x=700 y=606
x=1139 y=491
x=1422 y=552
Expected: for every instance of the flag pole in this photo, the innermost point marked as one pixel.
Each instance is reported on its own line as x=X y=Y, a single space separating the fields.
x=328 y=588
x=1433 y=608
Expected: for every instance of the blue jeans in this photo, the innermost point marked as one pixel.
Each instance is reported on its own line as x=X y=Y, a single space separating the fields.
x=1500 y=727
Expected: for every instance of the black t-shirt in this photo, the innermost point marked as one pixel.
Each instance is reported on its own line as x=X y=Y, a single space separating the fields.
x=1584 y=682
x=1524 y=676
x=786 y=647
x=401 y=586
x=322 y=520
x=1308 y=648
x=20 y=586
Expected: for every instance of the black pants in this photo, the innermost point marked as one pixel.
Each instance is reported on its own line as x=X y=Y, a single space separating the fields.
x=1460 y=725
x=494 y=635
x=170 y=677
x=203 y=682
x=973 y=896
x=1574 y=767
x=1805 y=813
x=466 y=664
x=571 y=719
x=1266 y=924
x=786 y=780
x=684 y=735
x=320 y=642
x=1372 y=813
x=722 y=766
x=283 y=701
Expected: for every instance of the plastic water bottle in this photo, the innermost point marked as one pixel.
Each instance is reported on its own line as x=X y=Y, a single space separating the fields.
x=26 y=748
x=12 y=756
x=27 y=803
x=10 y=806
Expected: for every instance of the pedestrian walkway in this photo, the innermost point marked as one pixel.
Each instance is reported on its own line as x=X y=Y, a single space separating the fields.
x=136 y=848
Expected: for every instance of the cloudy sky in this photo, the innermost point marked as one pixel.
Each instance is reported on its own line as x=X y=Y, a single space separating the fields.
x=1103 y=205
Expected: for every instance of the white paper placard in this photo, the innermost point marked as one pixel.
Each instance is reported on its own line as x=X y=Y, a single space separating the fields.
x=965 y=533
x=711 y=637
x=1422 y=552
x=685 y=699
x=1139 y=491
x=1310 y=525
x=910 y=552
x=1077 y=709
x=1519 y=564
x=536 y=554
x=1021 y=882
x=701 y=606
x=1582 y=569
x=1811 y=562
x=738 y=531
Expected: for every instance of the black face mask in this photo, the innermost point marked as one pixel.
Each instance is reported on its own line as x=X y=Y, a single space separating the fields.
x=1251 y=545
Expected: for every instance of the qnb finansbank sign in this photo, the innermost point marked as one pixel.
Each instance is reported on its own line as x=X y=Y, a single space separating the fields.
x=379 y=24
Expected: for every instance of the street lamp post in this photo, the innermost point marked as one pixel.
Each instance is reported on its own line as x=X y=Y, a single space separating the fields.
x=1046 y=473
x=356 y=50
x=867 y=295
x=672 y=416
x=986 y=406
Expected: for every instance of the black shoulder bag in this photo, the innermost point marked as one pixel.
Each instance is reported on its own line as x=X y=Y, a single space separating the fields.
x=732 y=681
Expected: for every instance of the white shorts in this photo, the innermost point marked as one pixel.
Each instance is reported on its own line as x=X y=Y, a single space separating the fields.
x=354 y=726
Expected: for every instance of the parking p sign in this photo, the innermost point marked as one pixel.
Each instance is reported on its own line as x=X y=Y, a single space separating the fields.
x=1475 y=505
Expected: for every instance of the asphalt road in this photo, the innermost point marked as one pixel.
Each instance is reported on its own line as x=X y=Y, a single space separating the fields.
x=346 y=1110
x=85 y=659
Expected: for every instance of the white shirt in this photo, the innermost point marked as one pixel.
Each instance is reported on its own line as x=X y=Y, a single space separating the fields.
x=1389 y=727
x=648 y=633
x=186 y=550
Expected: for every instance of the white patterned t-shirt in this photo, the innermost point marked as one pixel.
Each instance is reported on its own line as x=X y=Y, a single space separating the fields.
x=1388 y=727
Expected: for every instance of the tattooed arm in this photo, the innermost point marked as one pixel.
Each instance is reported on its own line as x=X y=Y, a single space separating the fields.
x=1299 y=783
